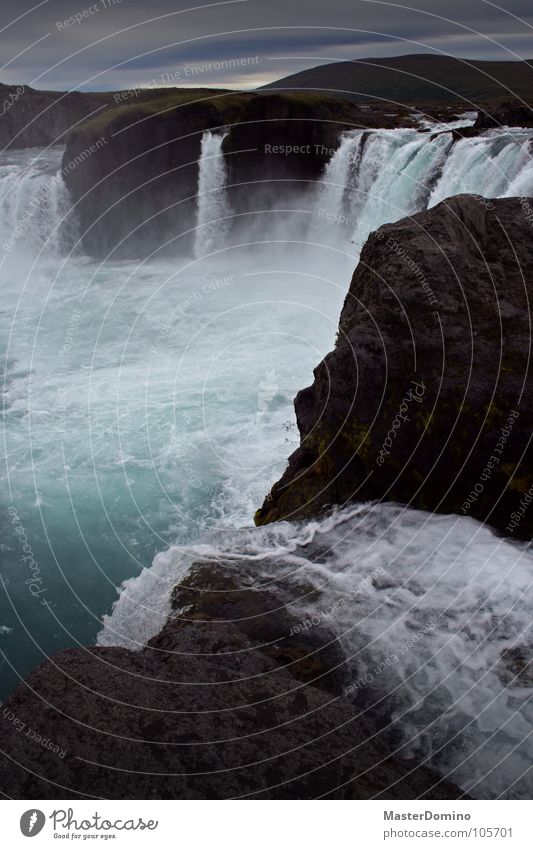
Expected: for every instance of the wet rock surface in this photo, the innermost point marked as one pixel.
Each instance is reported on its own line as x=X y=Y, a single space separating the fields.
x=509 y=114
x=426 y=398
x=32 y=118
x=223 y=703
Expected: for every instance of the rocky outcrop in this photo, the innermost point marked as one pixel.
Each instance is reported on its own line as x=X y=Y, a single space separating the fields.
x=291 y=137
x=427 y=397
x=133 y=171
x=32 y=118
x=228 y=701
x=133 y=174
x=512 y=114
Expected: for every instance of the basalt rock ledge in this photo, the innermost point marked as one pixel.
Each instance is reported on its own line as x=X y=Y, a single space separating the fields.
x=427 y=398
x=229 y=700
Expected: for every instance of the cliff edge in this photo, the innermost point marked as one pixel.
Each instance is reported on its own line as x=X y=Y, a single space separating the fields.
x=427 y=397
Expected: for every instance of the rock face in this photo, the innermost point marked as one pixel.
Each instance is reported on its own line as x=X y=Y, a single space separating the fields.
x=512 y=114
x=291 y=136
x=137 y=190
x=223 y=703
x=427 y=397
x=31 y=118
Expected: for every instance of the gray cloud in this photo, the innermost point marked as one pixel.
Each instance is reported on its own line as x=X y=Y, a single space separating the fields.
x=119 y=44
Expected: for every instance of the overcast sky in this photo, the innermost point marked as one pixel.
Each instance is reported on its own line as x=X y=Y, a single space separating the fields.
x=132 y=43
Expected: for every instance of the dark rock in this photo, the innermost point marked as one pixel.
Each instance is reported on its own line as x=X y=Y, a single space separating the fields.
x=307 y=125
x=435 y=328
x=32 y=118
x=504 y=115
x=137 y=190
x=223 y=703
x=458 y=133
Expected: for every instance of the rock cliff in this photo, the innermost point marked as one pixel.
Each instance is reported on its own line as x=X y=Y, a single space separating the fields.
x=32 y=118
x=427 y=397
x=227 y=701
x=510 y=114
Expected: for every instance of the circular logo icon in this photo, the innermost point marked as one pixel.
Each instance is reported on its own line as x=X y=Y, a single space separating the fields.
x=32 y=822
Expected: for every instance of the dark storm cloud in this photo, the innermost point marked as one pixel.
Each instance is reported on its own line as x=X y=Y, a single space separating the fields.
x=117 y=44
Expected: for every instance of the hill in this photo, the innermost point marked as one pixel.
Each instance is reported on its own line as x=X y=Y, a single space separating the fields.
x=418 y=78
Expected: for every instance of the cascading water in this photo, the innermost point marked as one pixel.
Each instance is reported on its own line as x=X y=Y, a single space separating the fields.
x=214 y=212
x=433 y=613
x=395 y=171
x=499 y=164
x=377 y=177
x=374 y=177
x=341 y=171
x=34 y=205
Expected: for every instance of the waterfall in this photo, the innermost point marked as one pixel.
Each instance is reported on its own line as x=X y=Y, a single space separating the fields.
x=379 y=176
x=34 y=206
x=395 y=172
x=214 y=211
x=496 y=165
x=375 y=177
x=340 y=172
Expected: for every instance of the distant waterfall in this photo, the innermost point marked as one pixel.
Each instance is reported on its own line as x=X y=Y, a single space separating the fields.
x=500 y=164
x=340 y=172
x=375 y=177
x=379 y=176
x=34 y=206
x=213 y=222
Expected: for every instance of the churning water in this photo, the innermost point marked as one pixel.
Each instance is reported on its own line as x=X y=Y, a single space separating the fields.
x=434 y=613
x=147 y=408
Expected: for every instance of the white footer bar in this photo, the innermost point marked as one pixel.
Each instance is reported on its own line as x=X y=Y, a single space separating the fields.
x=266 y=825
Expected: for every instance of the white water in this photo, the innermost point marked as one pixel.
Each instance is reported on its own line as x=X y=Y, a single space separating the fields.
x=143 y=404
x=497 y=165
x=426 y=608
x=214 y=212
x=379 y=177
x=148 y=409
x=34 y=204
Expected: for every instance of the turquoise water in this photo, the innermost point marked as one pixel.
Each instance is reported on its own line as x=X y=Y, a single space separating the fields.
x=144 y=405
